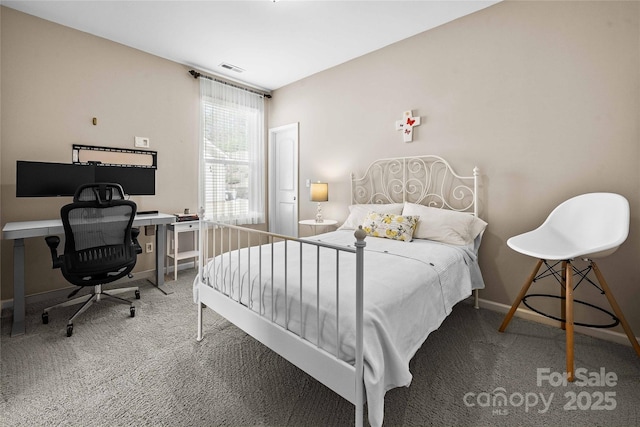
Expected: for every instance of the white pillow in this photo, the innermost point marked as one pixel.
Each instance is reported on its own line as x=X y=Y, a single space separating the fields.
x=357 y=213
x=443 y=225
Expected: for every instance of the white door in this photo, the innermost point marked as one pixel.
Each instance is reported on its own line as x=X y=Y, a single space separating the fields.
x=283 y=180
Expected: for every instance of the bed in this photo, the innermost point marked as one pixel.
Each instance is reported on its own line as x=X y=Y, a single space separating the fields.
x=351 y=307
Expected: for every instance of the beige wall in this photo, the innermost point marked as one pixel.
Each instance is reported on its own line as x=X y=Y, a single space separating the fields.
x=54 y=81
x=542 y=96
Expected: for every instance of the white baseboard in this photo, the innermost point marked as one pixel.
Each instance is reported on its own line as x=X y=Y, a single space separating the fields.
x=182 y=266
x=523 y=313
x=63 y=292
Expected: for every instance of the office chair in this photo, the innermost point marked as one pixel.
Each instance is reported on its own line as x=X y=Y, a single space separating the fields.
x=100 y=246
x=588 y=226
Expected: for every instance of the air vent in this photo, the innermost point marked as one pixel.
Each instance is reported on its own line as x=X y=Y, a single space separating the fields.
x=231 y=67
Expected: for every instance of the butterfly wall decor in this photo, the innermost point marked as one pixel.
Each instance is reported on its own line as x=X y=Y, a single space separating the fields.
x=407 y=124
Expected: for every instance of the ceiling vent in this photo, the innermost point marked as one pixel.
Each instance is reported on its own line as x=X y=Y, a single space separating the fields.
x=231 y=67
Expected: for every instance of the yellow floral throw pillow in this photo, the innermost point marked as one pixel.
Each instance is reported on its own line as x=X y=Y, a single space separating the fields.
x=390 y=226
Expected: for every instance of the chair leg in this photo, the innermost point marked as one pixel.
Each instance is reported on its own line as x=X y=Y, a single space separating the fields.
x=568 y=272
x=82 y=309
x=616 y=308
x=563 y=296
x=521 y=295
x=117 y=299
x=79 y=300
x=118 y=291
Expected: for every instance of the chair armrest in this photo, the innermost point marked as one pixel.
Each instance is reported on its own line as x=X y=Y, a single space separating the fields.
x=53 y=242
x=135 y=232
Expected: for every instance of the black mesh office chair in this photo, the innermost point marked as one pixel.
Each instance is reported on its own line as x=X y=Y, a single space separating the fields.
x=100 y=246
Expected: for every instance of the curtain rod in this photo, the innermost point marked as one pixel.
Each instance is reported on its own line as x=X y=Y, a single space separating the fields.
x=197 y=75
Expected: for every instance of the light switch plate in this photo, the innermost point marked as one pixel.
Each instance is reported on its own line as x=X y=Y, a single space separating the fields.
x=142 y=142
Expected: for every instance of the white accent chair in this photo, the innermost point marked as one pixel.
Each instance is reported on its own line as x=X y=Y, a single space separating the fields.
x=587 y=226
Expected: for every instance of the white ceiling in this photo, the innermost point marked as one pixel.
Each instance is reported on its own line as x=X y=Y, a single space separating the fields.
x=276 y=43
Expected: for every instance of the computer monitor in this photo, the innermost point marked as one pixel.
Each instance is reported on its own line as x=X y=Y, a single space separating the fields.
x=135 y=181
x=41 y=179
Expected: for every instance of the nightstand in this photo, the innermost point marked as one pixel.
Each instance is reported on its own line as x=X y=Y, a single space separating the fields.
x=173 y=252
x=315 y=225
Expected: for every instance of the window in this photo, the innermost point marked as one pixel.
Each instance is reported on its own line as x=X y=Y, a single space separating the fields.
x=232 y=185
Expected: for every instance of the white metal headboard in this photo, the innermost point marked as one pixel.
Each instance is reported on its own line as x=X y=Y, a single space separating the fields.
x=426 y=180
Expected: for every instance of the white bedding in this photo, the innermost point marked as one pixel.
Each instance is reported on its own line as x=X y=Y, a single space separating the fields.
x=409 y=289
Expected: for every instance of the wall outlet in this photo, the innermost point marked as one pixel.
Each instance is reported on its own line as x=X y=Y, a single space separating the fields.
x=142 y=142
x=149 y=247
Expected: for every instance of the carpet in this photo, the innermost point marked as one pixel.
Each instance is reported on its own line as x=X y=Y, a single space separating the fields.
x=150 y=371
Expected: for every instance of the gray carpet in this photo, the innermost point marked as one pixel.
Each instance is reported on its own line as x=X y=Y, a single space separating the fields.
x=150 y=371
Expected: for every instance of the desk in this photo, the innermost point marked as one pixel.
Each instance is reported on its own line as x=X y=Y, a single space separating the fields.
x=18 y=231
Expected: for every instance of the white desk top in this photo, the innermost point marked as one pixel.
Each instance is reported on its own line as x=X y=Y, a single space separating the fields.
x=46 y=227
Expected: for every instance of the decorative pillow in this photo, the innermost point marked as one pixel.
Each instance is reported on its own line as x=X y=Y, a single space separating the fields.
x=357 y=213
x=443 y=225
x=390 y=226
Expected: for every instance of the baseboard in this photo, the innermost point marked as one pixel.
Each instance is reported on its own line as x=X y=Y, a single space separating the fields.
x=523 y=313
x=182 y=266
x=63 y=292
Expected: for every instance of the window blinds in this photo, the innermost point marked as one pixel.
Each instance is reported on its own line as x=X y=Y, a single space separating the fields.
x=233 y=156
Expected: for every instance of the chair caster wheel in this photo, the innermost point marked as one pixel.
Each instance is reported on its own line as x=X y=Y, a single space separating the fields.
x=132 y=310
x=45 y=318
x=69 y=330
x=137 y=294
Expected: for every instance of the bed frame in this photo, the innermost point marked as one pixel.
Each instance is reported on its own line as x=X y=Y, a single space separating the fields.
x=427 y=180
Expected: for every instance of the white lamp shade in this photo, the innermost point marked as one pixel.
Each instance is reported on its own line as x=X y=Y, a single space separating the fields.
x=319 y=192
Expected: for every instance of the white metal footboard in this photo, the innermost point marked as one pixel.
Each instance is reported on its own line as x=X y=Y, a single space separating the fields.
x=234 y=301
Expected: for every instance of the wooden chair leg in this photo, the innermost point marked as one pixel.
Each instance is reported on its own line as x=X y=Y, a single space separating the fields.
x=563 y=296
x=616 y=308
x=568 y=272
x=521 y=295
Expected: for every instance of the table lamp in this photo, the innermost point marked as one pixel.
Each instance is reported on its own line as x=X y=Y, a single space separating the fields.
x=319 y=192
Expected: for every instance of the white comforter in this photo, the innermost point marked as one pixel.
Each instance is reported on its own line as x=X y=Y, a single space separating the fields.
x=409 y=289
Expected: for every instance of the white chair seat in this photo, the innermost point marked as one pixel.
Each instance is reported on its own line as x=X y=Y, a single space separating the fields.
x=554 y=246
x=591 y=225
